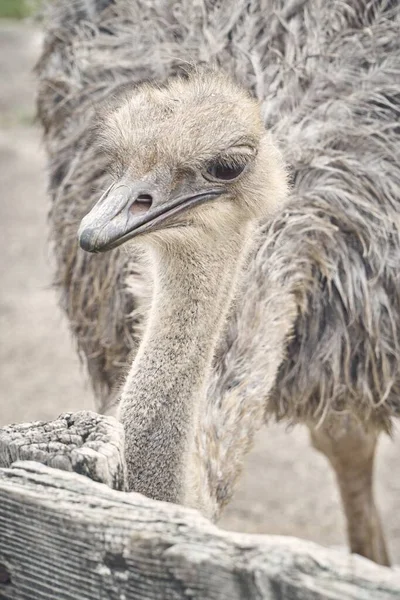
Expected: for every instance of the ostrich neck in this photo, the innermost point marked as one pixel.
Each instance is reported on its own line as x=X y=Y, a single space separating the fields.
x=166 y=385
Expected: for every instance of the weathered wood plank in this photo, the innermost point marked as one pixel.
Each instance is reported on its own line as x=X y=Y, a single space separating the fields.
x=84 y=442
x=64 y=537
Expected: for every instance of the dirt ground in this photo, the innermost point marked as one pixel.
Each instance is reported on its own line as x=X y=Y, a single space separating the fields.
x=287 y=487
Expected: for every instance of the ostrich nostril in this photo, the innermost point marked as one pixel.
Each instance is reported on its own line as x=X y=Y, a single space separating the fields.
x=145 y=198
x=142 y=204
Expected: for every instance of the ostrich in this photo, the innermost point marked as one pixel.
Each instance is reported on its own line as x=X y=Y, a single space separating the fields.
x=207 y=296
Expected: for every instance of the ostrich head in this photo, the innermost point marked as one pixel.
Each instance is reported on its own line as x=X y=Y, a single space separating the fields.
x=190 y=156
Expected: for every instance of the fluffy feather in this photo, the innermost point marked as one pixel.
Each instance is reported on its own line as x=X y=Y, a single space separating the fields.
x=316 y=329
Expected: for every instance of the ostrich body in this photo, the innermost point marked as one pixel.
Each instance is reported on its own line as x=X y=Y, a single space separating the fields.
x=262 y=303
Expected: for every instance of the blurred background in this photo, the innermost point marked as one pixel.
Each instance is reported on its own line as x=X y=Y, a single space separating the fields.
x=287 y=487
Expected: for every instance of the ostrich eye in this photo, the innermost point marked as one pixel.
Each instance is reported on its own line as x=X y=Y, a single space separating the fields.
x=225 y=171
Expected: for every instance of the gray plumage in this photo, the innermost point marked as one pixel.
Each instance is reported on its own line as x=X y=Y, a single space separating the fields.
x=315 y=328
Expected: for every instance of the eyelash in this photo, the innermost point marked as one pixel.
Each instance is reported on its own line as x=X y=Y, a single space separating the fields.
x=226 y=169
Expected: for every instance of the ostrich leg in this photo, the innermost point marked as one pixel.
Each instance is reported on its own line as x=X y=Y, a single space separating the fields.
x=351 y=450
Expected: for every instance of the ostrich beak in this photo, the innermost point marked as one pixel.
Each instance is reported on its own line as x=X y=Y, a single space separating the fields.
x=127 y=209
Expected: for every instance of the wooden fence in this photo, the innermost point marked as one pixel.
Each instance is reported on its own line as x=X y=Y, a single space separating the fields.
x=68 y=531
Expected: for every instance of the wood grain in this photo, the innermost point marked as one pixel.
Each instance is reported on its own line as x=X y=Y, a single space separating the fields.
x=84 y=442
x=65 y=537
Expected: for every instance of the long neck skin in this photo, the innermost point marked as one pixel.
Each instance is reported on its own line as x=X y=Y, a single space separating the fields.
x=165 y=389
